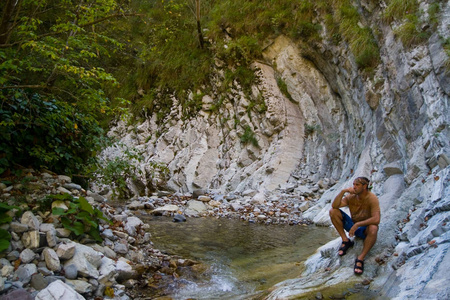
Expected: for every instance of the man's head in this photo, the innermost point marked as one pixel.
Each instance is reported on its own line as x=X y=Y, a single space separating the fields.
x=363 y=181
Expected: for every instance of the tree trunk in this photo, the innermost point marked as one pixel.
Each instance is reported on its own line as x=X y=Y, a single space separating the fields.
x=7 y=19
x=199 y=28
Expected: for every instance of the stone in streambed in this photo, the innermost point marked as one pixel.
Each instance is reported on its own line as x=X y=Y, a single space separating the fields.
x=179 y=218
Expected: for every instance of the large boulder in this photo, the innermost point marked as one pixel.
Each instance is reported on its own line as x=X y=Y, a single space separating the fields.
x=87 y=261
x=58 y=290
x=195 y=208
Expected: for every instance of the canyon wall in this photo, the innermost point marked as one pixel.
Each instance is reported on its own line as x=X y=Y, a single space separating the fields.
x=330 y=124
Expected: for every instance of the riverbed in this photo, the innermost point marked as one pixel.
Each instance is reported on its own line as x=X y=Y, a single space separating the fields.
x=243 y=259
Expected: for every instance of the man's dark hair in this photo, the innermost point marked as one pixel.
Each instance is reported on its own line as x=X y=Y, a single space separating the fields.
x=364 y=180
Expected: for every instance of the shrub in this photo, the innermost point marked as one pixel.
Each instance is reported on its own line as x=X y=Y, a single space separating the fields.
x=398 y=9
x=283 y=88
x=81 y=217
x=433 y=11
x=116 y=171
x=408 y=32
x=310 y=129
x=37 y=131
x=249 y=137
x=5 y=218
x=360 y=39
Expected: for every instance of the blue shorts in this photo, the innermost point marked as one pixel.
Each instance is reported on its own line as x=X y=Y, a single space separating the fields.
x=348 y=224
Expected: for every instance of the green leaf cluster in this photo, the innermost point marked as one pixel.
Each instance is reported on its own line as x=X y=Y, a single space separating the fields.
x=5 y=218
x=36 y=130
x=172 y=62
x=283 y=88
x=116 y=171
x=398 y=9
x=54 y=80
x=81 y=218
x=249 y=136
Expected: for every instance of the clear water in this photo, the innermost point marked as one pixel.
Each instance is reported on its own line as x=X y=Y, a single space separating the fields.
x=244 y=258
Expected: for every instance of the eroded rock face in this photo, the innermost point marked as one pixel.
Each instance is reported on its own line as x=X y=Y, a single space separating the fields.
x=333 y=124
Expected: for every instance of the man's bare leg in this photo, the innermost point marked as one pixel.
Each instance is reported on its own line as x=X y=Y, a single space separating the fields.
x=337 y=220
x=371 y=237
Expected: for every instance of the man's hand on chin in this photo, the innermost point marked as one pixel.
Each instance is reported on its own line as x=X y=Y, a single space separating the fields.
x=350 y=190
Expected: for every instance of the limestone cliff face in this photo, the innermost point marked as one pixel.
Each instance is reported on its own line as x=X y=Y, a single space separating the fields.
x=334 y=124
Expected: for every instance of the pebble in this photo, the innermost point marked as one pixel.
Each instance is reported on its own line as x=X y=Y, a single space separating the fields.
x=38 y=282
x=21 y=294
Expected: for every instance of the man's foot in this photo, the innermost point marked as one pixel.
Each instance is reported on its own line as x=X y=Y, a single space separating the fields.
x=345 y=246
x=359 y=267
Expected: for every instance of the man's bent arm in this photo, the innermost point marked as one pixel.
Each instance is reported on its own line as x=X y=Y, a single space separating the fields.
x=373 y=220
x=337 y=202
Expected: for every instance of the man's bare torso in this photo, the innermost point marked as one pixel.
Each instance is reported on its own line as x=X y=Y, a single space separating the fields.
x=362 y=209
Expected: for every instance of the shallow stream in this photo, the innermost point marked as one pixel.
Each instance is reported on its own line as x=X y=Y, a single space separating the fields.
x=244 y=259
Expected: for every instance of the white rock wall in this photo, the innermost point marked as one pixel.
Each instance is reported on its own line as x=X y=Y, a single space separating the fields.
x=392 y=128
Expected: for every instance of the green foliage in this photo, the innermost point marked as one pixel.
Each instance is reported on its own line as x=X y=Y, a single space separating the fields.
x=311 y=128
x=192 y=105
x=433 y=11
x=398 y=9
x=218 y=104
x=294 y=18
x=5 y=239
x=145 y=104
x=53 y=80
x=170 y=60
x=366 y=49
x=5 y=218
x=81 y=217
x=306 y=31
x=408 y=32
x=260 y=104
x=249 y=136
x=446 y=46
x=360 y=39
x=159 y=171
x=116 y=171
x=67 y=67
x=305 y=28
x=257 y=104
x=38 y=131
x=243 y=49
x=408 y=15
x=283 y=88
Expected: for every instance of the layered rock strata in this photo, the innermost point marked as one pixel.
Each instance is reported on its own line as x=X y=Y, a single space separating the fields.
x=331 y=123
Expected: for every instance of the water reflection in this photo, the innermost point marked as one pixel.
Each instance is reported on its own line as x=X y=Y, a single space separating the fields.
x=243 y=258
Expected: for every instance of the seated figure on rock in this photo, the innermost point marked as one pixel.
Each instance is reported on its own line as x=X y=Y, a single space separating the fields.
x=363 y=220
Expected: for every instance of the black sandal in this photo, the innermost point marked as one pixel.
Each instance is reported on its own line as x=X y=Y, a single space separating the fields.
x=356 y=267
x=345 y=246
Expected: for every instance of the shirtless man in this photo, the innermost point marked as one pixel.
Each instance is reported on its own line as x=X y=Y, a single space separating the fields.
x=365 y=217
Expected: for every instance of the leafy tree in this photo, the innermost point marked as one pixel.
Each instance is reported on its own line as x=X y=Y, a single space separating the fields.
x=52 y=81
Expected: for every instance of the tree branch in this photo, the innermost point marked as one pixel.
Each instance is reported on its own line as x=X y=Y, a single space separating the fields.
x=82 y=26
x=23 y=87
